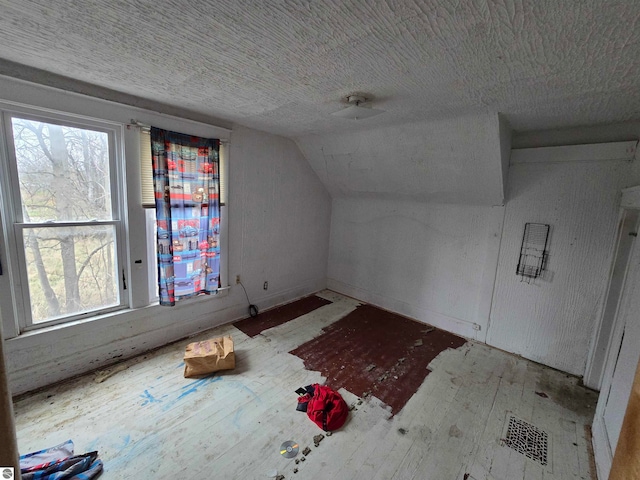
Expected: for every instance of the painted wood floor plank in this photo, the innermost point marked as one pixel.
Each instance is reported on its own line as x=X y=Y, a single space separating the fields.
x=429 y=419
x=462 y=425
x=225 y=434
x=409 y=427
x=225 y=425
x=491 y=459
x=368 y=420
x=147 y=421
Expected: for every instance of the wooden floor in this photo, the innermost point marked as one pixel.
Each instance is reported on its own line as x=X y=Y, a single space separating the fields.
x=147 y=421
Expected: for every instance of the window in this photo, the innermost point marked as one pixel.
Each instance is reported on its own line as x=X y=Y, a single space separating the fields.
x=146 y=170
x=152 y=253
x=148 y=202
x=63 y=181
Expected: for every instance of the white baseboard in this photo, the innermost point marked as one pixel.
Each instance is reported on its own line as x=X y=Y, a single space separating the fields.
x=458 y=326
x=601 y=448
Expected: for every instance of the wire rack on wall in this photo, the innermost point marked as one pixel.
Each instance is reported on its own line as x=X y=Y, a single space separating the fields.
x=533 y=251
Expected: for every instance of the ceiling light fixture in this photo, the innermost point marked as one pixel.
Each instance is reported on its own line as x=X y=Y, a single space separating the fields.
x=355 y=110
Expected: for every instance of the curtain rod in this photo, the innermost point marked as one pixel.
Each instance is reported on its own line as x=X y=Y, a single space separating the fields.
x=146 y=127
x=139 y=124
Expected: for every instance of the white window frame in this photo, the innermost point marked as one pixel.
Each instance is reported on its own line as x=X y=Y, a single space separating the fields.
x=14 y=264
x=54 y=103
x=152 y=254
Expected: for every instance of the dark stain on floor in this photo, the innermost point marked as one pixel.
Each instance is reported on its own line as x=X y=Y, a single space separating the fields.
x=374 y=352
x=569 y=395
x=252 y=326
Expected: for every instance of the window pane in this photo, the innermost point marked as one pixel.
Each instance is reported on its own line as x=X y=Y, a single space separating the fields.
x=63 y=172
x=152 y=253
x=71 y=270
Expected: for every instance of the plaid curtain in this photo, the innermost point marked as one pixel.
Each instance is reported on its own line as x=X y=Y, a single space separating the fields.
x=186 y=182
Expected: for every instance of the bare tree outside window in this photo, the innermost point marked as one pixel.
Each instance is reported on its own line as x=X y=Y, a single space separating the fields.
x=64 y=179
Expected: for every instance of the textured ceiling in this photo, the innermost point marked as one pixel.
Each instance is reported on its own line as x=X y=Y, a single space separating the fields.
x=282 y=66
x=442 y=70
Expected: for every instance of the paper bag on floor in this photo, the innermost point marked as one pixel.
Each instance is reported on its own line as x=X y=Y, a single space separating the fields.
x=209 y=356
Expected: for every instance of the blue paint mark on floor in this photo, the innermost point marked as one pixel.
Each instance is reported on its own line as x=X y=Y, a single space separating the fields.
x=125 y=441
x=148 y=398
x=110 y=441
x=194 y=386
x=236 y=417
x=142 y=448
x=92 y=445
x=181 y=365
x=243 y=387
x=191 y=387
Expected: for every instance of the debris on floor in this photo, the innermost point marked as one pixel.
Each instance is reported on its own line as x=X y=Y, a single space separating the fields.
x=317 y=439
x=370 y=367
x=326 y=408
x=295 y=470
x=306 y=451
x=102 y=375
x=208 y=356
x=59 y=461
x=279 y=477
x=417 y=343
x=289 y=449
x=542 y=394
x=328 y=434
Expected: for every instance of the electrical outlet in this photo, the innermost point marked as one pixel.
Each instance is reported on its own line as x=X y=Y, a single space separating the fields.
x=265 y=286
x=237 y=279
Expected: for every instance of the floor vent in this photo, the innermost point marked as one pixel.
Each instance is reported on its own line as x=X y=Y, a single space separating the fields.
x=527 y=439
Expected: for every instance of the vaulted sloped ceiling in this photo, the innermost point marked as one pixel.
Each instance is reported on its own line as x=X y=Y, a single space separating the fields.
x=282 y=66
x=453 y=160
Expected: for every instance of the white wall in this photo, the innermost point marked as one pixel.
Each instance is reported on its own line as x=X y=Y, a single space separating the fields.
x=279 y=217
x=454 y=160
x=551 y=320
x=435 y=263
x=413 y=228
